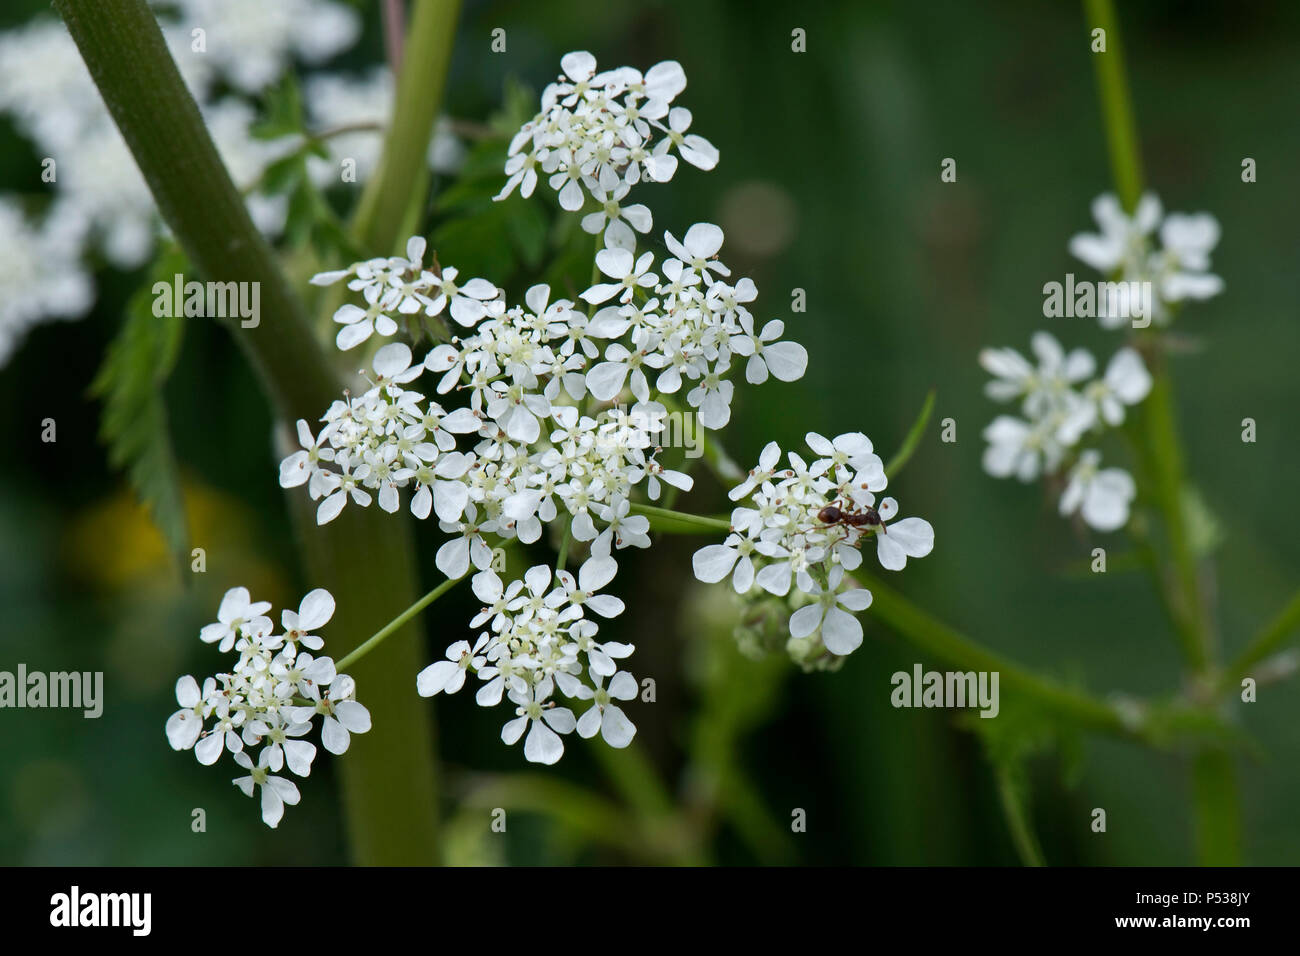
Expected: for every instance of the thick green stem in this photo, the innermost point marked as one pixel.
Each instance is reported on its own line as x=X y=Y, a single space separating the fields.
x=1162 y=459
x=363 y=558
x=1215 y=799
x=1218 y=808
x=934 y=636
x=955 y=648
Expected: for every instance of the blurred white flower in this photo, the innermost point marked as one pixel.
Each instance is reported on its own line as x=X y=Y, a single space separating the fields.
x=1101 y=495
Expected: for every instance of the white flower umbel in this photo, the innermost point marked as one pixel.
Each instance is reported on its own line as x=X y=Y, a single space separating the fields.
x=531 y=454
x=802 y=529
x=599 y=134
x=269 y=699
x=1058 y=410
x=556 y=410
x=541 y=640
x=1124 y=250
x=1060 y=403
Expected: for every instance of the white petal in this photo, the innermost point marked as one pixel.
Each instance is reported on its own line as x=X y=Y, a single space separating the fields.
x=915 y=535
x=543 y=744
x=841 y=632
x=334 y=736
x=855 y=599
x=713 y=563
x=315 y=610
x=617 y=730
x=805 y=620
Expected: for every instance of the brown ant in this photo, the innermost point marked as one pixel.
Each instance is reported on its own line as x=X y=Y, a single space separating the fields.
x=833 y=516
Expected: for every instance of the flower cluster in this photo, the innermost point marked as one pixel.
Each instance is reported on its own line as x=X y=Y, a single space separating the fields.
x=537 y=429
x=1059 y=409
x=599 y=134
x=1060 y=401
x=540 y=639
x=1178 y=270
x=269 y=700
x=804 y=528
x=547 y=386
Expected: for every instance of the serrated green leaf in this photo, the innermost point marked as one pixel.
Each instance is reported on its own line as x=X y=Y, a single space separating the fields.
x=284 y=174
x=281 y=111
x=133 y=423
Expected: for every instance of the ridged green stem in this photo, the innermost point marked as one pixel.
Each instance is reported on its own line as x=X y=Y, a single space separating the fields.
x=363 y=557
x=1216 y=804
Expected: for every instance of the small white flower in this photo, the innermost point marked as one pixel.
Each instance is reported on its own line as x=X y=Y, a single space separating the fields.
x=547 y=722
x=1126 y=382
x=696 y=150
x=184 y=726
x=909 y=538
x=699 y=249
x=1184 y=264
x=1122 y=242
x=237 y=613
x=604 y=716
x=466 y=300
x=787 y=361
x=276 y=791
x=833 y=612
x=615 y=220
x=1101 y=495
x=449 y=675
x=313 y=613
x=714 y=562
x=343 y=715
x=629 y=273
x=596 y=572
x=1017 y=447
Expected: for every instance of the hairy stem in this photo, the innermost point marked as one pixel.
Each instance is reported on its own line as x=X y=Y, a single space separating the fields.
x=389 y=795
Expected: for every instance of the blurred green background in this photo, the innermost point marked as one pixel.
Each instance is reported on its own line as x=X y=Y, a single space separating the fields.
x=829 y=182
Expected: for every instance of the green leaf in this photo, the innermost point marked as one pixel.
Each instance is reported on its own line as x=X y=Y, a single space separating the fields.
x=133 y=424
x=284 y=174
x=281 y=111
